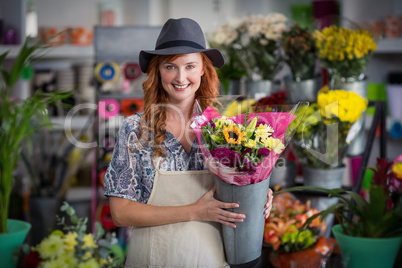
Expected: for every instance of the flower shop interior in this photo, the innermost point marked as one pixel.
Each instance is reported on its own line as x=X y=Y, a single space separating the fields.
x=295 y=53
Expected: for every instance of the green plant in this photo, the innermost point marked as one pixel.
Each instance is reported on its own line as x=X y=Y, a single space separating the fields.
x=380 y=217
x=300 y=52
x=19 y=119
x=72 y=246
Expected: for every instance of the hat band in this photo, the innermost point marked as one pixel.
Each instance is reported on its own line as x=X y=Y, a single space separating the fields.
x=179 y=43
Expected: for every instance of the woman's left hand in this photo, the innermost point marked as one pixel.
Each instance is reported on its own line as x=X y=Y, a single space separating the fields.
x=268 y=205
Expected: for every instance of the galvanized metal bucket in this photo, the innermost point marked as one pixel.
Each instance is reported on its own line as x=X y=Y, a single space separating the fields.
x=284 y=175
x=235 y=87
x=305 y=90
x=261 y=88
x=325 y=178
x=243 y=244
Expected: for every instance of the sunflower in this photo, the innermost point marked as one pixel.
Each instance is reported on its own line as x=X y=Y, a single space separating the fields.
x=234 y=134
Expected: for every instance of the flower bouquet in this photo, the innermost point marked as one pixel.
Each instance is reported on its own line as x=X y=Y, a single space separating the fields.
x=73 y=247
x=251 y=45
x=290 y=243
x=344 y=52
x=241 y=152
x=330 y=125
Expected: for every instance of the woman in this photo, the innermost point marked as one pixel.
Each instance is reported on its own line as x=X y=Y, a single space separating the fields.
x=157 y=180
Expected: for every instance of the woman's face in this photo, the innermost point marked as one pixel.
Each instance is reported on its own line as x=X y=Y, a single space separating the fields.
x=181 y=77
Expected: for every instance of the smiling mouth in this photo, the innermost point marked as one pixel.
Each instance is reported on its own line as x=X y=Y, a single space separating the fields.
x=181 y=87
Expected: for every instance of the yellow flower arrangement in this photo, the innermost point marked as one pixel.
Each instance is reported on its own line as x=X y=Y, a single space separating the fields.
x=344 y=52
x=323 y=137
x=349 y=108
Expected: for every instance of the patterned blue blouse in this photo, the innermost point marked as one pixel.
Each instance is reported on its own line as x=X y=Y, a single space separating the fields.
x=130 y=173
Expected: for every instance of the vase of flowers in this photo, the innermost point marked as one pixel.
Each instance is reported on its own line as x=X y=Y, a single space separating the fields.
x=329 y=126
x=374 y=222
x=345 y=53
x=251 y=48
x=241 y=151
x=300 y=54
x=292 y=246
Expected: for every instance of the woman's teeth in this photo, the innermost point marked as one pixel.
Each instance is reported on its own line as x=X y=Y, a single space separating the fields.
x=180 y=87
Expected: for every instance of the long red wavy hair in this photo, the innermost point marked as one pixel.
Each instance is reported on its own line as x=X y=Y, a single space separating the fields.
x=153 y=121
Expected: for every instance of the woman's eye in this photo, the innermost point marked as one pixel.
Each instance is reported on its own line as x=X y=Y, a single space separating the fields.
x=190 y=66
x=169 y=67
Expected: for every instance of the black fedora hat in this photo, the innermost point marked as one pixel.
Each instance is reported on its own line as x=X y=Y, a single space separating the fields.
x=181 y=36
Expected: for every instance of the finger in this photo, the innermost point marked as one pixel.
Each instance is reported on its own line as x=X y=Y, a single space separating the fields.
x=227 y=223
x=270 y=198
x=232 y=216
x=228 y=205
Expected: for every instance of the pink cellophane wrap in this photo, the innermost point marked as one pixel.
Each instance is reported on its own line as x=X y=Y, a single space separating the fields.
x=279 y=121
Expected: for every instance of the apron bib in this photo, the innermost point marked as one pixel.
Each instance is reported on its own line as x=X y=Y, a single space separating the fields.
x=183 y=244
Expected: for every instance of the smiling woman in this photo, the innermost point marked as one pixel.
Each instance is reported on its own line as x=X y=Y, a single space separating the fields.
x=157 y=180
x=181 y=76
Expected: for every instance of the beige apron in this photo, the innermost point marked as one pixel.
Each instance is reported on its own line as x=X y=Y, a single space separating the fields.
x=183 y=244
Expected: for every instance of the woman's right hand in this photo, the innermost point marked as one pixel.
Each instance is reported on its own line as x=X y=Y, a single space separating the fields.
x=210 y=209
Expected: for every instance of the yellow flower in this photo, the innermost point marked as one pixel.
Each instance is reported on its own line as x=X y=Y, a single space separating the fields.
x=92 y=263
x=346 y=105
x=278 y=146
x=250 y=143
x=69 y=259
x=70 y=241
x=89 y=241
x=51 y=247
x=263 y=132
x=397 y=170
x=55 y=263
x=236 y=108
x=273 y=144
x=87 y=255
x=234 y=134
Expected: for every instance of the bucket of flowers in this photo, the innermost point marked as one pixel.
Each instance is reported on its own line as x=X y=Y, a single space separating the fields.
x=322 y=141
x=241 y=151
x=251 y=47
x=291 y=245
x=301 y=56
x=344 y=52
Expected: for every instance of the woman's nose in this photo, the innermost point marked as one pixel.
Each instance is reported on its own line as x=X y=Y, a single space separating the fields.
x=181 y=75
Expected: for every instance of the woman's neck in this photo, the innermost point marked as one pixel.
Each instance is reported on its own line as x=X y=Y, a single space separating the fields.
x=179 y=111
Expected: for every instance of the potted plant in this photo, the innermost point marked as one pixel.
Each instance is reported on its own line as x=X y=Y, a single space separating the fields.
x=300 y=54
x=369 y=232
x=19 y=119
x=291 y=245
x=254 y=41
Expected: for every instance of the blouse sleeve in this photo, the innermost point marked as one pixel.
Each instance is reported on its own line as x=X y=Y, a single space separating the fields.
x=123 y=176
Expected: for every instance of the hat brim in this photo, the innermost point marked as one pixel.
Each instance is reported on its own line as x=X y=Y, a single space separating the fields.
x=213 y=54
